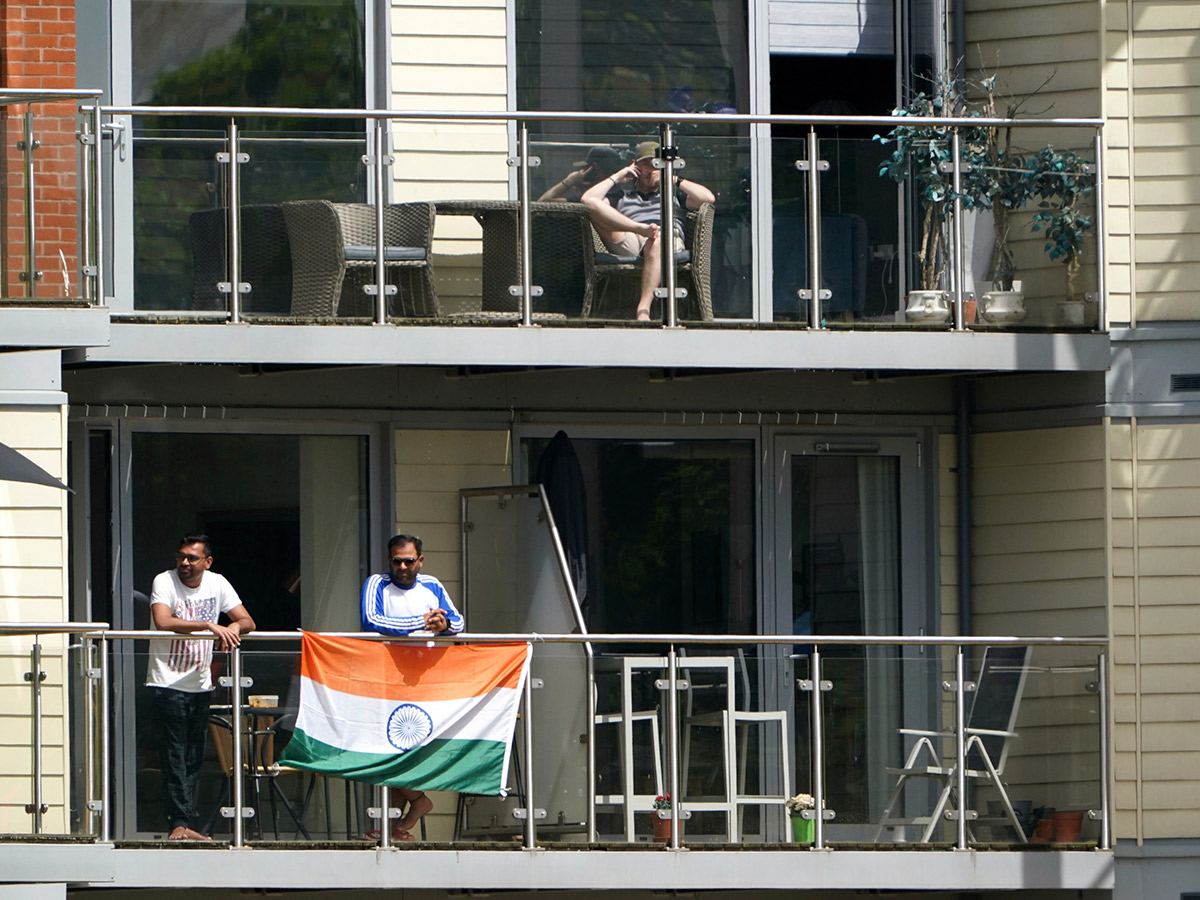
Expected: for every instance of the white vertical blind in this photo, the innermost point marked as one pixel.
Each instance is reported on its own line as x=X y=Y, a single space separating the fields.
x=831 y=27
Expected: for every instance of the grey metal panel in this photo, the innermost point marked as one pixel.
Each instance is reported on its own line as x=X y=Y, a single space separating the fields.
x=615 y=347
x=464 y=869
x=56 y=327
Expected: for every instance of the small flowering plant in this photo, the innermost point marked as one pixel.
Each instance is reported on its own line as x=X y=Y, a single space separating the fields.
x=662 y=801
x=796 y=805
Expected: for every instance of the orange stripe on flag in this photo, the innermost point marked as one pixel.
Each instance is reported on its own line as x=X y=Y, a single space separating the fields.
x=410 y=672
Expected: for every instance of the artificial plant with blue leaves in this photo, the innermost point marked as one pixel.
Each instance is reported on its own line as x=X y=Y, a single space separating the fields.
x=994 y=175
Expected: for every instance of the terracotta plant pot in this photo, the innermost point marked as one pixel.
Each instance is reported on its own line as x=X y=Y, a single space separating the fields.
x=662 y=829
x=1067 y=826
x=1043 y=831
x=804 y=831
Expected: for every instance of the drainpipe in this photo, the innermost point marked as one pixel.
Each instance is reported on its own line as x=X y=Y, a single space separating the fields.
x=959 y=46
x=962 y=416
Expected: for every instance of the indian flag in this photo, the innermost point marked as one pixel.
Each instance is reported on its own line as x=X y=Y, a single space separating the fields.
x=414 y=716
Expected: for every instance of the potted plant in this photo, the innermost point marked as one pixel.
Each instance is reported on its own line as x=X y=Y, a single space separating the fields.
x=804 y=827
x=995 y=176
x=662 y=826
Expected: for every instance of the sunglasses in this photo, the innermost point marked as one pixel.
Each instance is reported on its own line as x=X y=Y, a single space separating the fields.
x=180 y=557
x=404 y=560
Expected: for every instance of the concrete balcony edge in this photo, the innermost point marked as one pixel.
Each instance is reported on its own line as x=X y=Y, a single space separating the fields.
x=557 y=869
x=510 y=345
x=50 y=327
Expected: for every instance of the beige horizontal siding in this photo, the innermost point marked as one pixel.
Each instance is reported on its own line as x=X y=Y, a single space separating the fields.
x=448 y=56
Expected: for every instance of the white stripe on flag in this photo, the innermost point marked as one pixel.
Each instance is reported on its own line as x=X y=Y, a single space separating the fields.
x=355 y=722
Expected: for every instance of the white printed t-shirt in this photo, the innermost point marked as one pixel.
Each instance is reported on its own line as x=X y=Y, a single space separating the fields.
x=186 y=665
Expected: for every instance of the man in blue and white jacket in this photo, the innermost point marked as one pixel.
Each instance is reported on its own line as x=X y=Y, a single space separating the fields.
x=405 y=602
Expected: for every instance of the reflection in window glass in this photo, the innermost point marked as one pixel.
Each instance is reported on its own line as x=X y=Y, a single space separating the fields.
x=671 y=534
x=625 y=55
x=289 y=53
x=287 y=515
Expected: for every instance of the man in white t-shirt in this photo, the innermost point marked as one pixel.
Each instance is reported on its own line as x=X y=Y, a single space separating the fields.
x=405 y=602
x=188 y=600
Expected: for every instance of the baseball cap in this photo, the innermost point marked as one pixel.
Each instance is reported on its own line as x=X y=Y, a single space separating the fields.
x=646 y=150
x=605 y=157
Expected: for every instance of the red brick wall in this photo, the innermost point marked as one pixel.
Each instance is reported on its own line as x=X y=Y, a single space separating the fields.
x=37 y=50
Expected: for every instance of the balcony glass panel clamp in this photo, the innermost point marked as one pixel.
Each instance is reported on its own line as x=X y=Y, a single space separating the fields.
x=93 y=674
x=522 y=813
x=375 y=812
x=806 y=294
x=24 y=276
x=373 y=289
x=661 y=293
x=664 y=684
x=41 y=676
x=515 y=161
x=368 y=159
x=535 y=290
x=31 y=809
x=227 y=681
x=949 y=688
x=247 y=812
x=822 y=165
x=806 y=684
x=677 y=162
x=223 y=157
x=95 y=806
x=226 y=287
x=951 y=815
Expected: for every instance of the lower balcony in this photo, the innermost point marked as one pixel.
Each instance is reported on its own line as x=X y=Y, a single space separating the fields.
x=751 y=736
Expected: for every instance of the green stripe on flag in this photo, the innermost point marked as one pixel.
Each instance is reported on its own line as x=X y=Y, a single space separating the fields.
x=472 y=766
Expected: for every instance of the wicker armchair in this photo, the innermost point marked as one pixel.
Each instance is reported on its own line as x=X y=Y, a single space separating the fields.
x=618 y=278
x=333 y=257
x=266 y=259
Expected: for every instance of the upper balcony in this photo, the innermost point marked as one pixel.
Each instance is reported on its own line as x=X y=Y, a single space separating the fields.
x=836 y=242
x=45 y=299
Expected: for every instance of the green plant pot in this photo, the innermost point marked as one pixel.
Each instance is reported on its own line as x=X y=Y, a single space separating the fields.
x=804 y=831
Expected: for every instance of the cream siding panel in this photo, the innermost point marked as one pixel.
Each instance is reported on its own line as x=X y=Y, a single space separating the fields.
x=442 y=462
x=451 y=57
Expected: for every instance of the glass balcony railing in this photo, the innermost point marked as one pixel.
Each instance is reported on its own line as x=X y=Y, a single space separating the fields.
x=44 y=253
x=735 y=743
x=876 y=223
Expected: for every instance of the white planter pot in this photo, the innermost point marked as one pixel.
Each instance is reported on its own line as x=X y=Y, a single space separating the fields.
x=927 y=306
x=1002 y=307
x=1071 y=312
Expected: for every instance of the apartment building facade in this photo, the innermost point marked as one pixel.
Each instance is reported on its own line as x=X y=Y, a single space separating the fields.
x=794 y=448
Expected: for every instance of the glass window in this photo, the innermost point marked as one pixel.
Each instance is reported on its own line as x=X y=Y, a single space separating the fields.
x=670 y=534
x=285 y=53
x=627 y=56
x=287 y=515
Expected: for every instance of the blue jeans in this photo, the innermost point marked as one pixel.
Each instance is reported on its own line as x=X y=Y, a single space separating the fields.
x=182 y=719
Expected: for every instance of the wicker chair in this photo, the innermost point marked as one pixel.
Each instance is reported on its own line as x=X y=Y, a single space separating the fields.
x=266 y=259
x=618 y=278
x=333 y=257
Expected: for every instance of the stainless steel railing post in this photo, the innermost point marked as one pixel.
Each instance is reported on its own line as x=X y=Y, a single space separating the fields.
x=526 y=229
x=818 y=750
x=815 y=317
x=381 y=293
x=666 y=185
x=86 y=653
x=527 y=734
x=234 y=227
x=28 y=145
x=87 y=288
x=105 y=747
x=1101 y=240
x=960 y=269
x=35 y=676
x=591 y=748
x=673 y=743
x=239 y=835
x=960 y=741
x=98 y=207
x=1102 y=692
x=385 y=820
